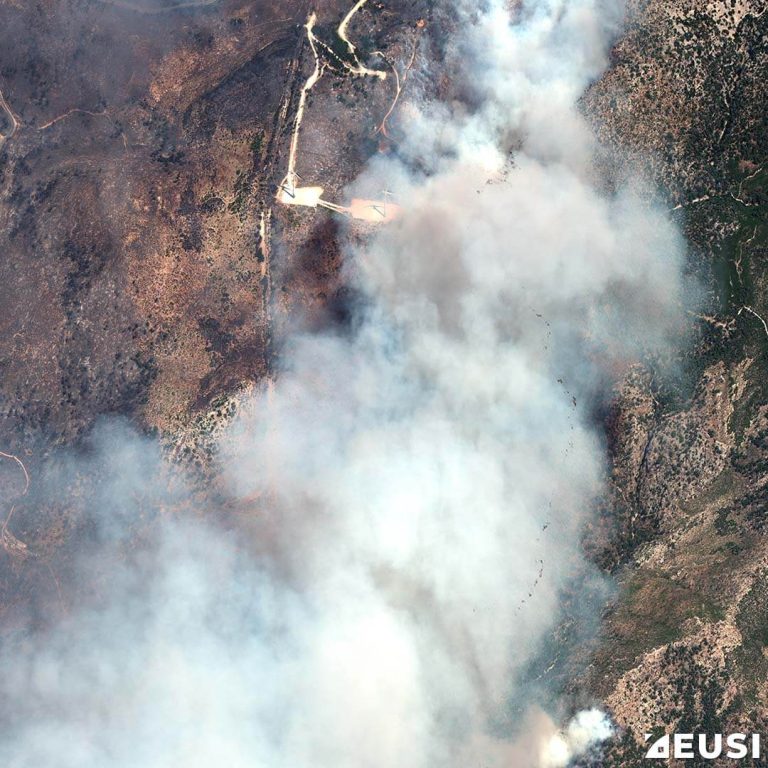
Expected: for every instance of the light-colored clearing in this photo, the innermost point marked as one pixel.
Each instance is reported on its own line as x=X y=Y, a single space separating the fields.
x=374 y=211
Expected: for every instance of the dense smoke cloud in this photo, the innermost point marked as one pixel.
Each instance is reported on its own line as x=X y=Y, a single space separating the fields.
x=422 y=481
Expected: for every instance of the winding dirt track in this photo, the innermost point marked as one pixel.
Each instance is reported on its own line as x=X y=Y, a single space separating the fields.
x=71 y=112
x=7 y=540
x=289 y=193
x=399 y=85
x=342 y=33
x=14 y=122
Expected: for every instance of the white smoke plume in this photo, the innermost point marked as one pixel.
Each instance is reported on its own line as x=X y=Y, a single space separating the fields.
x=587 y=729
x=421 y=483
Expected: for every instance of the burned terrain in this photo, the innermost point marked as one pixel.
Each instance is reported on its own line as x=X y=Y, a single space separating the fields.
x=149 y=274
